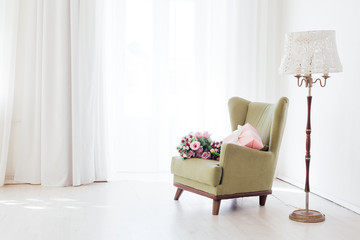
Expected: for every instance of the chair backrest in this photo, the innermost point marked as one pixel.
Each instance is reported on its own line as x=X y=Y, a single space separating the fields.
x=268 y=119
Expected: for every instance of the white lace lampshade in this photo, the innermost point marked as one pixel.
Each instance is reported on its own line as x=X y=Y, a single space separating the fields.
x=309 y=53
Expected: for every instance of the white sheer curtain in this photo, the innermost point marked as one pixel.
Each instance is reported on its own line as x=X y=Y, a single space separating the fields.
x=52 y=119
x=8 y=33
x=166 y=67
x=172 y=65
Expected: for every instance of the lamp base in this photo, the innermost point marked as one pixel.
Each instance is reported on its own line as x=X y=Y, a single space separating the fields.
x=307 y=216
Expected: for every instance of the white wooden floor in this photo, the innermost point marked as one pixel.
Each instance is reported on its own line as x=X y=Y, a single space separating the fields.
x=145 y=209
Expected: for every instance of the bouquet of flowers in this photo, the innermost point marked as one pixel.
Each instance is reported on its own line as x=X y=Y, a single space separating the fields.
x=199 y=145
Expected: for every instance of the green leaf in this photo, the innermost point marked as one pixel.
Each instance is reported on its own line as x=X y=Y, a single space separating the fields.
x=216 y=154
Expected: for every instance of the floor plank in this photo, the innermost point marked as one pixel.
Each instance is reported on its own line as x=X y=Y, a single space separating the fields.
x=145 y=209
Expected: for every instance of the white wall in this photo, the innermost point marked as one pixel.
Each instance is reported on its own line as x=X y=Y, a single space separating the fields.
x=335 y=160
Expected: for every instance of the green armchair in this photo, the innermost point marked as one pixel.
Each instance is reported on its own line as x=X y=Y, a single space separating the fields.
x=241 y=171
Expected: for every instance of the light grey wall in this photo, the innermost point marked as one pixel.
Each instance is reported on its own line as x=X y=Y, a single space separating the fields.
x=335 y=162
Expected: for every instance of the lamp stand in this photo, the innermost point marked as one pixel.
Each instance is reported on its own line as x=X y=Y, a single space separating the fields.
x=306 y=215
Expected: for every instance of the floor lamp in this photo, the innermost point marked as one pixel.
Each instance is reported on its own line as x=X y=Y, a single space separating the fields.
x=305 y=54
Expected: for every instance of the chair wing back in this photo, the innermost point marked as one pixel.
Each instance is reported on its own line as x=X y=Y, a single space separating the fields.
x=260 y=116
x=268 y=119
x=278 y=124
x=238 y=108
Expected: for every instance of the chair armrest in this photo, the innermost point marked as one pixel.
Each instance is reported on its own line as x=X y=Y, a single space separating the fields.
x=246 y=169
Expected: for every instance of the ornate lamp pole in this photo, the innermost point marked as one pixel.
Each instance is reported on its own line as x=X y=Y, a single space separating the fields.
x=307 y=53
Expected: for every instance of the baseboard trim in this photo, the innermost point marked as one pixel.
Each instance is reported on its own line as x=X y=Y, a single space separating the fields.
x=322 y=194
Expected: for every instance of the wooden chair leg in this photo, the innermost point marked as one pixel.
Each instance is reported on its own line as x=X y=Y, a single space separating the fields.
x=262 y=200
x=178 y=193
x=216 y=207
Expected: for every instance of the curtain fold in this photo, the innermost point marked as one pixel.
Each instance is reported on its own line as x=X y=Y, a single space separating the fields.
x=9 y=12
x=56 y=117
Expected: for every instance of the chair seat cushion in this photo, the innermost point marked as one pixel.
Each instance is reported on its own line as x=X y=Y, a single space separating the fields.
x=201 y=170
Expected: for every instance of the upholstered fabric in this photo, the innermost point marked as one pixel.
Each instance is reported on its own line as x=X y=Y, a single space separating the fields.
x=238 y=108
x=197 y=185
x=260 y=116
x=278 y=125
x=201 y=170
x=240 y=169
x=245 y=169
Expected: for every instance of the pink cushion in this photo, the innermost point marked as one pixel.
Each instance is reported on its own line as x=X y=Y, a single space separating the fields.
x=246 y=136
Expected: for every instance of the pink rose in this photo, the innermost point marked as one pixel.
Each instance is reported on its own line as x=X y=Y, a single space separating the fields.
x=195 y=145
x=199 y=152
x=206 y=135
x=190 y=154
x=198 y=135
x=206 y=155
